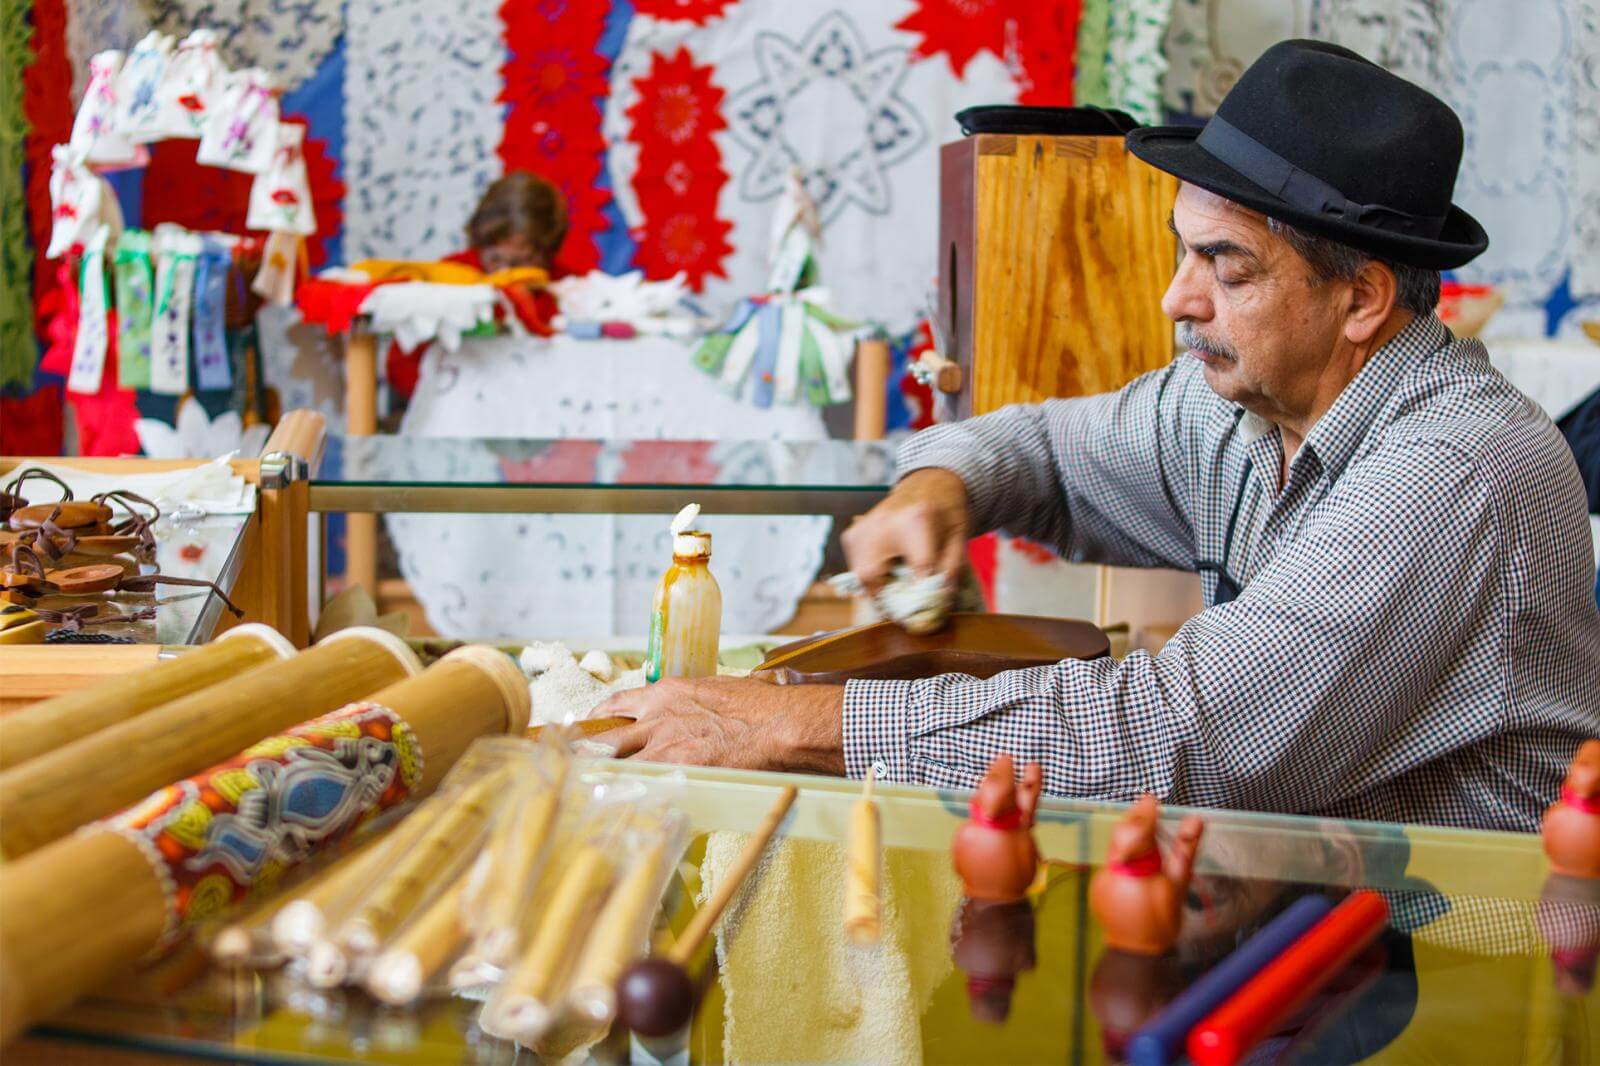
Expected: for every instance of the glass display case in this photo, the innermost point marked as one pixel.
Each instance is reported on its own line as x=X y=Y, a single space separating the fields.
x=1486 y=958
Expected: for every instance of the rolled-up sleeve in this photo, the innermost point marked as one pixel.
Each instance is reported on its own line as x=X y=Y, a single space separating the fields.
x=1098 y=478
x=1302 y=692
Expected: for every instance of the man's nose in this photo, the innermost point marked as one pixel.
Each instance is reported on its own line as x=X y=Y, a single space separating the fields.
x=1186 y=297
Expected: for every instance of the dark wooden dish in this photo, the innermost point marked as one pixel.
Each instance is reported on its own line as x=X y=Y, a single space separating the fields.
x=981 y=645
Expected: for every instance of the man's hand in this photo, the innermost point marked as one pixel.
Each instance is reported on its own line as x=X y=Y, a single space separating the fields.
x=923 y=522
x=731 y=721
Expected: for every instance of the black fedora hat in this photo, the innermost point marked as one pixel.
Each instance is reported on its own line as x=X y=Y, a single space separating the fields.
x=1318 y=137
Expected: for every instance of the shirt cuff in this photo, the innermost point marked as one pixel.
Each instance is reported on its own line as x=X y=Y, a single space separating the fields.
x=945 y=448
x=875 y=729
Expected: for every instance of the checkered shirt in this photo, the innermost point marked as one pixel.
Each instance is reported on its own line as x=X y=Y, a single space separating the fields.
x=1417 y=639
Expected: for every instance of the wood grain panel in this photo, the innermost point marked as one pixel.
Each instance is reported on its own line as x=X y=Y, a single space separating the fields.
x=1071 y=256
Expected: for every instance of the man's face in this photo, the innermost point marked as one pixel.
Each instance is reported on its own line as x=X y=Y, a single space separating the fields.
x=1249 y=307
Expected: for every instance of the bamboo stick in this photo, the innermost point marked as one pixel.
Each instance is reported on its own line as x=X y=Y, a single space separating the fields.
x=301 y=914
x=862 y=905
x=48 y=725
x=83 y=908
x=514 y=851
x=453 y=835
x=523 y=1007
x=398 y=975
x=706 y=917
x=617 y=936
x=48 y=797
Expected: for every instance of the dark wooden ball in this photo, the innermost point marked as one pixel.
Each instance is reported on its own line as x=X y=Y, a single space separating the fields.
x=655 y=998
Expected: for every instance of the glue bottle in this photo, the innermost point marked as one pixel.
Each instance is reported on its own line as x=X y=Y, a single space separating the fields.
x=686 y=621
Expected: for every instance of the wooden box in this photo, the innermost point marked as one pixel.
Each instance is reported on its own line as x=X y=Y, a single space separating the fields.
x=1053 y=255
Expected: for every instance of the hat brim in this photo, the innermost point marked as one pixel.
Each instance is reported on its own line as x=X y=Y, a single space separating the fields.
x=1173 y=149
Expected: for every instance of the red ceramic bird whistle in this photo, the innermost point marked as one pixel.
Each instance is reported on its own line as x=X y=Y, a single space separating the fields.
x=1137 y=896
x=1571 y=827
x=994 y=850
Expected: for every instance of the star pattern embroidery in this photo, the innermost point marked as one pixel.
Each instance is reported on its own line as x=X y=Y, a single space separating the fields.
x=827 y=93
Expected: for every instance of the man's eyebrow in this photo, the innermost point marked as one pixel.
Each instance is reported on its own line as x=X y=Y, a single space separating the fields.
x=1213 y=249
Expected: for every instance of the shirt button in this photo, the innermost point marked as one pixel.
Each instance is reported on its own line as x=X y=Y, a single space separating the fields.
x=880 y=769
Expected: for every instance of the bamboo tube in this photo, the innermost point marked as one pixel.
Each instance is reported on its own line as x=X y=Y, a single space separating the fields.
x=397 y=976
x=862 y=906
x=83 y=908
x=48 y=725
x=706 y=917
x=452 y=836
x=48 y=797
x=522 y=1009
x=514 y=851
x=617 y=936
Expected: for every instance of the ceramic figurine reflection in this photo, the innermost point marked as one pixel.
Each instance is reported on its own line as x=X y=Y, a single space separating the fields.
x=992 y=942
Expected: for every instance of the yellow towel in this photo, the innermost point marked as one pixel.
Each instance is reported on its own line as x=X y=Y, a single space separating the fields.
x=788 y=974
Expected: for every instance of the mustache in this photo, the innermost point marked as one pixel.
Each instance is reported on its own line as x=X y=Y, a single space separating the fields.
x=1194 y=340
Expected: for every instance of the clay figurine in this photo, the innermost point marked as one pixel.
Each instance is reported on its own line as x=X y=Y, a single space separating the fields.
x=994 y=850
x=1571 y=827
x=1136 y=897
x=992 y=943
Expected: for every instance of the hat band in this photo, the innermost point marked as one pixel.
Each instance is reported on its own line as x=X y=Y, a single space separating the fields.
x=1255 y=161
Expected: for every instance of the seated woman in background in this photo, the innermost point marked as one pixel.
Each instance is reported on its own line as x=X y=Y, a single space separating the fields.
x=520 y=222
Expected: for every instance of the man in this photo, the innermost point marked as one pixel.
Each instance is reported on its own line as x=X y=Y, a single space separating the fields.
x=1391 y=539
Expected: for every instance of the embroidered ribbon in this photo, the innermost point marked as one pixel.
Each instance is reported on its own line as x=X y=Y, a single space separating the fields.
x=135 y=308
x=18 y=353
x=211 y=837
x=169 y=339
x=210 y=301
x=90 y=341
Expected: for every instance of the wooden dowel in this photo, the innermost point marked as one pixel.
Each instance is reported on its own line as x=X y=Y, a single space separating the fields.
x=48 y=797
x=872 y=388
x=398 y=975
x=862 y=903
x=706 y=917
x=78 y=911
x=49 y=724
x=361 y=420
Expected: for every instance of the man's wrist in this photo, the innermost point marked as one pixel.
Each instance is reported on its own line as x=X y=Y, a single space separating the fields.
x=811 y=734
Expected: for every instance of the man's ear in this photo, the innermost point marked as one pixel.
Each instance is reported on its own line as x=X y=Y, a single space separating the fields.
x=1373 y=292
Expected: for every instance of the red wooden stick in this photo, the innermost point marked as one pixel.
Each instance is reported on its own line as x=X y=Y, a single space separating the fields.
x=1284 y=984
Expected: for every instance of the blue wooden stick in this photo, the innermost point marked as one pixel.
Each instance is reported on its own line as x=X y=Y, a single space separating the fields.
x=1159 y=1040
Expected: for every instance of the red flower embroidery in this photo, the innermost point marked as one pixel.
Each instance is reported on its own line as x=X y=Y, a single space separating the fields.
x=554 y=81
x=669 y=462
x=284 y=196
x=698 y=12
x=1037 y=41
x=680 y=176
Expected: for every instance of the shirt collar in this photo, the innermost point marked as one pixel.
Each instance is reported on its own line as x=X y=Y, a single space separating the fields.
x=1342 y=428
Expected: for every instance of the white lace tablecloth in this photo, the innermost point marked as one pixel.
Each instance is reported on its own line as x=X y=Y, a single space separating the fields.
x=543 y=576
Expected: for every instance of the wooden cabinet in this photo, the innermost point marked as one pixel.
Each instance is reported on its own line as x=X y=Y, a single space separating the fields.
x=1053 y=255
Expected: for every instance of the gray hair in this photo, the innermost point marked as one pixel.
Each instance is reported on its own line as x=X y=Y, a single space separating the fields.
x=1416 y=288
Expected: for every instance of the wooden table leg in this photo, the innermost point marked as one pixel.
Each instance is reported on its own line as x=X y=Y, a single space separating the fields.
x=872 y=388
x=361 y=420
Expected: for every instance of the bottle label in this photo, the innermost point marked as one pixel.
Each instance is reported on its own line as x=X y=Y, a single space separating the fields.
x=652 y=658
